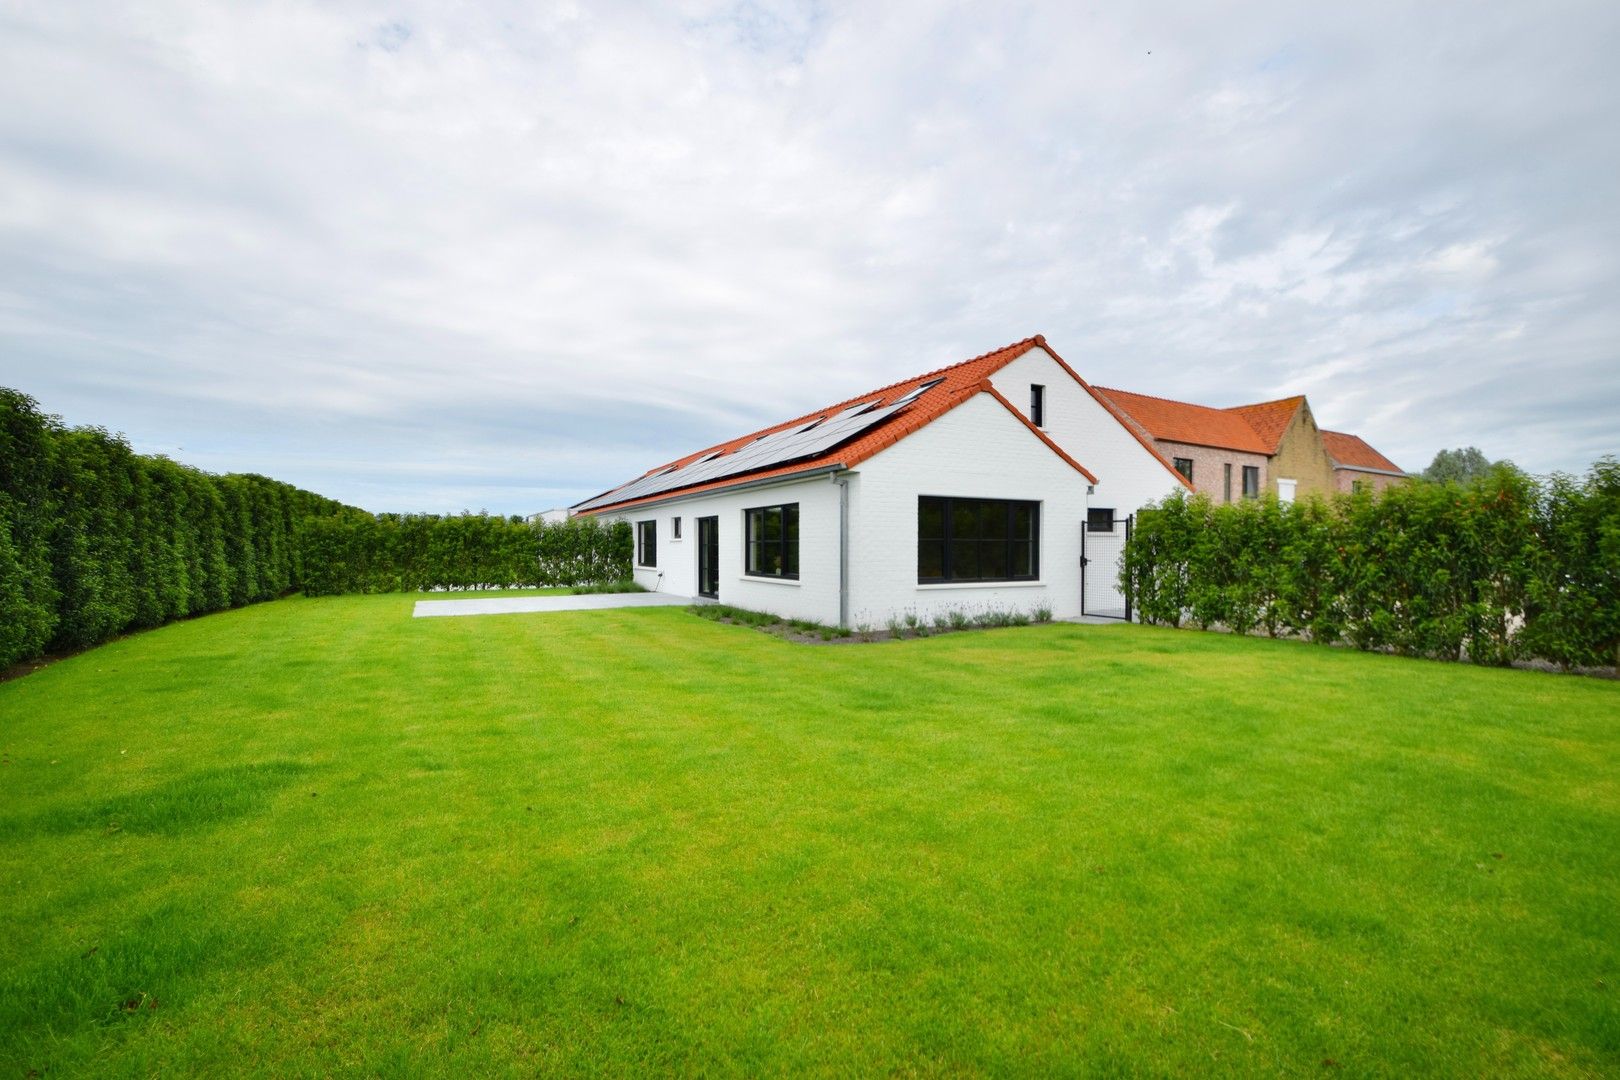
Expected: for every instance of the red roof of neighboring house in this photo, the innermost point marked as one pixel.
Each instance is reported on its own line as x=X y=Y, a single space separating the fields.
x=1270 y=419
x=1184 y=422
x=1352 y=452
x=956 y=384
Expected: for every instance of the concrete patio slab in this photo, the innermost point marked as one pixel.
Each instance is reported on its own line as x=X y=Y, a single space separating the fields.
x=509 y=605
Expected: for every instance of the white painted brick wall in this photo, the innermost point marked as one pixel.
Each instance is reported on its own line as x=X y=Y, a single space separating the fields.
x=1128 y=476
x=813 y=596
x=977 y=450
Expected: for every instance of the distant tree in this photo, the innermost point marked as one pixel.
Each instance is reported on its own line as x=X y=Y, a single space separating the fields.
x=1459 y=466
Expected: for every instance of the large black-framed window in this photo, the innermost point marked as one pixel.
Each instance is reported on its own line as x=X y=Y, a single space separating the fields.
x=1251 y=481
x=771 y=541
x=1184 y=467
x=647 y=543
x=977 y=540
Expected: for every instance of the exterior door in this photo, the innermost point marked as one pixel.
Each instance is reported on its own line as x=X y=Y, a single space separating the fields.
x=1102 y=545
x=708 y=553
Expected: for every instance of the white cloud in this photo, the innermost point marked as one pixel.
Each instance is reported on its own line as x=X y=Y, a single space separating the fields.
x=540 y=250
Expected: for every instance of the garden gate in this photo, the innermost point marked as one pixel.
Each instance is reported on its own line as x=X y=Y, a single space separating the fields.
x=1102 y=546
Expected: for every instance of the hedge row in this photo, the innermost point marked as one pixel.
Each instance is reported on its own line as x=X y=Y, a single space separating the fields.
x=96 y=539
x=1504 y=568
x=365 y=553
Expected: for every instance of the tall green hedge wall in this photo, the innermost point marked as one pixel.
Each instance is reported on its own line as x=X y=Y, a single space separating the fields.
x=1506 y=567
x=96 y=539
x=366 y=553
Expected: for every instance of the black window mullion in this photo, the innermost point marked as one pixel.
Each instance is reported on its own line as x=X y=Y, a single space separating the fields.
x=776 y=554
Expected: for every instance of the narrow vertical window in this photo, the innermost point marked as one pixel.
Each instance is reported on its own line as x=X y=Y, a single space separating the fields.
x=675 y=528
x=646 y=543
x=1037 y=405
x=1226 y=483
x=1251 y=481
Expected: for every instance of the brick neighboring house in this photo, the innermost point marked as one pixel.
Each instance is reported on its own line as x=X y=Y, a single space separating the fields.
x=1239 y=452
x=1217 y=450
x=1299 y=463
x=1357 y=465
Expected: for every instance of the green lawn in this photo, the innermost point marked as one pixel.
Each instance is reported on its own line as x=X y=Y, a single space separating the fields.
x=318 y=836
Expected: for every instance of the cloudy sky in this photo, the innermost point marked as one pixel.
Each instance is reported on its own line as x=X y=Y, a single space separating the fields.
x=421 y=256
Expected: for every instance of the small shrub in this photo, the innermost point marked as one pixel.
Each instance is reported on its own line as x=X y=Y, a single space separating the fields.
x=958 y=619
x=897 y=629
x=1042 y=614
x=607 y=587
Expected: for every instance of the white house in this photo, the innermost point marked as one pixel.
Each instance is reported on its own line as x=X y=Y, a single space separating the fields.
x=964 y=488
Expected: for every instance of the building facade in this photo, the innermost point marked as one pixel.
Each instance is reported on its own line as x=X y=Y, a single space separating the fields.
x=964 y=489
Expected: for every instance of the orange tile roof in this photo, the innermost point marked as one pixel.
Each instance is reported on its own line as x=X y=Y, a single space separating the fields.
x=1270 y=419
x=958 y=383
x=1352 y=452
x=1184 y=422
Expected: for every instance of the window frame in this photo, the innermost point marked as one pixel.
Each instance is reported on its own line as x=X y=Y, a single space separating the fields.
x=1037 y=404
x=675 y=527
x=948 y=541
x=647 y=543
x=1178 y=462
x=787 y=542
x=1092 y=526
x=1248 y=472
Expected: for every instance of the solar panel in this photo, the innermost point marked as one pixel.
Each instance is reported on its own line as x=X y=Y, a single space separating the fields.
x=766 y=452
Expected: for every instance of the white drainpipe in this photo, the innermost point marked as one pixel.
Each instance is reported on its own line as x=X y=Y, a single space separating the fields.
x=843 y=548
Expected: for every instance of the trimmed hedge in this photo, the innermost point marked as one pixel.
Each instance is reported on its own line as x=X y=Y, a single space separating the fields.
x=378 y=553
x=96 y=539
x=1503 y=568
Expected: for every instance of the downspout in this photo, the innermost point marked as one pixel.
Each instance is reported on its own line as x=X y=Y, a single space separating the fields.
x=843 y=548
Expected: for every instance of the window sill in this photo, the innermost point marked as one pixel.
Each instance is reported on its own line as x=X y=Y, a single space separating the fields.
x=948 y=585
x=769 y=580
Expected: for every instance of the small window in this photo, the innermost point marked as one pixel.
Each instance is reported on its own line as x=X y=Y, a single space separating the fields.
x=1226 y=482
x=675 y=528
x=772 y=541
x=1037 y=405
x=646 y=543
x=1251 y=481
x=1099 y=519
x=913 y=394
x=977 y=540
x=1184 y=467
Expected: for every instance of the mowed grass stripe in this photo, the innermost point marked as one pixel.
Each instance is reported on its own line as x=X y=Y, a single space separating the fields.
x=319 y=836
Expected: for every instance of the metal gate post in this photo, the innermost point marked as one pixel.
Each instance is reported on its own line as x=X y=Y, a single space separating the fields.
x=1083 y=562
x=1128 y=519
